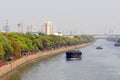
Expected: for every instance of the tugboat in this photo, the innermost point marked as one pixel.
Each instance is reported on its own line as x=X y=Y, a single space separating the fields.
x=99 y=47
x=73 y=55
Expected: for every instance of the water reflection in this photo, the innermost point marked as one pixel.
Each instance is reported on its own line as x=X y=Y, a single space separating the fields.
x=74 y=59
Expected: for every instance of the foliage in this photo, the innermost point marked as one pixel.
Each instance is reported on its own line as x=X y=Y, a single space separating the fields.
x=13 y=44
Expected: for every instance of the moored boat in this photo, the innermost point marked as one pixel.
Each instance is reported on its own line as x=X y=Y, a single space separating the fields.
x=73 y=55
x=117 y=44
x=99 y=47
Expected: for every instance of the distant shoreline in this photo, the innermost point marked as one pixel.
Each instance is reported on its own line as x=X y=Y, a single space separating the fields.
x=14 y=64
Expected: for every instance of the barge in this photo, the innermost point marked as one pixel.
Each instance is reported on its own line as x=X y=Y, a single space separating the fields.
x=73 y=55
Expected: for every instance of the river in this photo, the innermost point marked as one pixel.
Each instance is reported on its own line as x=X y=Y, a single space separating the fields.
x=94 y=65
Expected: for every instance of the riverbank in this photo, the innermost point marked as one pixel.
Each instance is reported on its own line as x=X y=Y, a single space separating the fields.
x=14 y=64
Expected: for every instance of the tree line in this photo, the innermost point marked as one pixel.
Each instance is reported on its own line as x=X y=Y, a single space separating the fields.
x=16 y=45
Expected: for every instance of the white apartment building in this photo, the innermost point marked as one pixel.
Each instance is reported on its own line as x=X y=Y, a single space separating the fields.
x=47 y=27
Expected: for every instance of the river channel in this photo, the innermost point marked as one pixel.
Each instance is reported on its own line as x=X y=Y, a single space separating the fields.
x=94 y=65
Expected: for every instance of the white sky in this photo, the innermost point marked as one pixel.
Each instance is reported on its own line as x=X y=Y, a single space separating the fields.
x=76 y=16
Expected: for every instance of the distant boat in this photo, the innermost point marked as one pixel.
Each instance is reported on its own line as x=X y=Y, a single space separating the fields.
x=117 y=44
x=73 y=55
x=99 y=47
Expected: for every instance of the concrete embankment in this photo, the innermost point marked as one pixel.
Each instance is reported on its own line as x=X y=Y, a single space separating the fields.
x=14 y=64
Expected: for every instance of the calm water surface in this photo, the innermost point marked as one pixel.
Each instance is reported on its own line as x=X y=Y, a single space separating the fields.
x=94 y=65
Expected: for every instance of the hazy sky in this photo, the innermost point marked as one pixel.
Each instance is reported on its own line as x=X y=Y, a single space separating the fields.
x=76 y=16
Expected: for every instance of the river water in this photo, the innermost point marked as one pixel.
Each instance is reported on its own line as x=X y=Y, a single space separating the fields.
x=94 y=65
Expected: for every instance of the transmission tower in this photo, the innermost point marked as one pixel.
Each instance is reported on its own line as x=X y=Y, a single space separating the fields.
x=29 y=28
x=6 y=27
x=20 y=28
